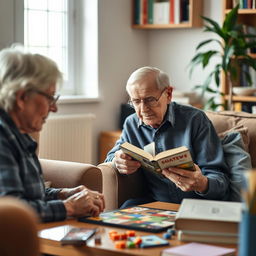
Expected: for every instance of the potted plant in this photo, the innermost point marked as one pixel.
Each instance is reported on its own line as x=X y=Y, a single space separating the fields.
x=232 y=46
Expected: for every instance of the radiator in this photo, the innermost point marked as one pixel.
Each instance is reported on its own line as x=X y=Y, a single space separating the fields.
x=68 y=138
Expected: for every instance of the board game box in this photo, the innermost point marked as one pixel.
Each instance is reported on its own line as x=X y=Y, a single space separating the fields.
x=137 y=218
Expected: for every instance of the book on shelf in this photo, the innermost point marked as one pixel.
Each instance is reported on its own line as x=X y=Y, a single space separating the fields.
x=177 y=11
x=150 y=11
x=184 y=12
x=178 y=157
x=198 y=249
x=144 y=12
x=213 y=218
x=136 y=12
x=171 y=11
x=161 y=13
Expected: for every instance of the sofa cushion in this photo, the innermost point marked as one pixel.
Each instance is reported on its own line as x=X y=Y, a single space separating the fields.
x=225 y=120
x=237 y=160
x=244 y=134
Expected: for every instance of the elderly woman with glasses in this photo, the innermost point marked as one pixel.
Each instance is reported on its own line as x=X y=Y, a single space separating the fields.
x=170 y=125
x=28 y=83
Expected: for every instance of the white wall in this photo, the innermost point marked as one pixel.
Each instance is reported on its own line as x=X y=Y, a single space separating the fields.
x=172 y=50
x=121 y=51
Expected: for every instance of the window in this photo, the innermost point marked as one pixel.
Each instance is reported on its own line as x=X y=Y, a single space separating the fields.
x=66 y=31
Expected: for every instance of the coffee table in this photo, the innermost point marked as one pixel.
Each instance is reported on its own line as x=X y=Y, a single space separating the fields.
x=106 y=248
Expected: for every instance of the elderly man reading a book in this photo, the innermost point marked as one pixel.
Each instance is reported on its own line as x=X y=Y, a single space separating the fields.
x=170 y=125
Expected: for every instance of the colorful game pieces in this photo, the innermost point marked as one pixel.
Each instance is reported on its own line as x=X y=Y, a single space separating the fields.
x=130 y=240
x=137 y=240
x=120 y=245
x=130 y=233
x=167 y=235
x=115 y=236
x=130 y=244
x=171 y=231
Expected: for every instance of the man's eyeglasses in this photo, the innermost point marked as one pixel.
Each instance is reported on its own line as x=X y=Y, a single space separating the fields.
x=149 y=101
x=51 y=99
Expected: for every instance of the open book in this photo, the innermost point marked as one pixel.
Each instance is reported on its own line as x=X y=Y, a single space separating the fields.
x=178 y=157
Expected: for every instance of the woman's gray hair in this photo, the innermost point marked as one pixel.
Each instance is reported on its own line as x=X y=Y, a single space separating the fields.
x=162 y=79
x=27 y=71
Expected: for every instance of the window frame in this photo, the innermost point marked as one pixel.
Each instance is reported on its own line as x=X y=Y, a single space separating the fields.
x=82 y=47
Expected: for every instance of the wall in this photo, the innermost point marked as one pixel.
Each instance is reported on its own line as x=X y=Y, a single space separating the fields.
x=172 y=50
x=122 y=50
x=6 y=22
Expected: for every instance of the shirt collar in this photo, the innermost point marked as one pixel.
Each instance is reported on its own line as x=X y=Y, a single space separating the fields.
x=169 y=116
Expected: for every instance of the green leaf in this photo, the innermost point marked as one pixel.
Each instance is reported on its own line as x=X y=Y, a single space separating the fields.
x=228 y=53
x=207 y=56
x=204 y=43
x=231 y=19
x=217 y=76
x=215 y=26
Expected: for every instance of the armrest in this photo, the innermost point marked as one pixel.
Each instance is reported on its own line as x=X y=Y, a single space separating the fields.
x=71 y=174
x=118 y=188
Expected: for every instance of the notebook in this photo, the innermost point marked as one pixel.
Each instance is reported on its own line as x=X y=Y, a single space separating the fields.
x=198 y=249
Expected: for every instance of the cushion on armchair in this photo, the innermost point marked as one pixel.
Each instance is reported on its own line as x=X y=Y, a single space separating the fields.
x=225 y=120
x=238 y=161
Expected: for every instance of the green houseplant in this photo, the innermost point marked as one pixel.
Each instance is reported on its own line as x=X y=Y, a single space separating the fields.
x=232 y=45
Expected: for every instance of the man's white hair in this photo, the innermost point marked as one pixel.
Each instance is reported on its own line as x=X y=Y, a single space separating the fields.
x=162 y=79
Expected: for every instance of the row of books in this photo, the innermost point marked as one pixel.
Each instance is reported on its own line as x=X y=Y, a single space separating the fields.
x=245 y=4
x=209 y=221
x=160 y=12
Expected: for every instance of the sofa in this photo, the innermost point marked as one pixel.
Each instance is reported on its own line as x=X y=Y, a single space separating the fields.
x=118 y=188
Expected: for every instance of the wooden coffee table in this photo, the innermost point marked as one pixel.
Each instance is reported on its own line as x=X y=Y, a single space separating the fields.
x=106 y=248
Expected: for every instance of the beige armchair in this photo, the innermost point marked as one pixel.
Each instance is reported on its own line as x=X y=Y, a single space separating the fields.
x=70 y=174
x=118 y=188
x=67 y=174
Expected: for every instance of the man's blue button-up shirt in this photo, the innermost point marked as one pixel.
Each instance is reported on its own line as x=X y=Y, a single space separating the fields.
x=182 y=126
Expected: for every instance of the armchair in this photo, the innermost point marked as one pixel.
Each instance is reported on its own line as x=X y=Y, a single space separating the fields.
x=118 y=188
x=67 y=174
x=70 y=174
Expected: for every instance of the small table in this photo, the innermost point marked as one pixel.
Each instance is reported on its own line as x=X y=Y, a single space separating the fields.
x=106 y=248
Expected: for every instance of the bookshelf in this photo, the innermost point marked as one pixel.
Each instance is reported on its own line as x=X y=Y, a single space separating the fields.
x=246 y=16
x=141 y=19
